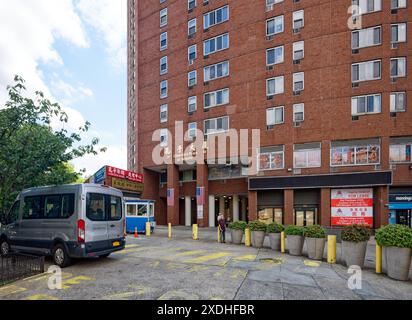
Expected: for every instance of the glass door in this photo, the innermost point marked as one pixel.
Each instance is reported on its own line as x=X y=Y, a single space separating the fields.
x=305 y=216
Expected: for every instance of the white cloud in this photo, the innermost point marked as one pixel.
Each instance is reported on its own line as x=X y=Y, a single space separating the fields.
x=68 y=94
x=109 y=19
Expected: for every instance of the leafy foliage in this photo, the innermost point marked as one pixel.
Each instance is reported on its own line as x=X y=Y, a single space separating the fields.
x=293 y=230
x=394 y=235
x=275 y=228
x=315 y=231
x=32 y=153
x=257 y=225
x=238 y=225
x=356 y=233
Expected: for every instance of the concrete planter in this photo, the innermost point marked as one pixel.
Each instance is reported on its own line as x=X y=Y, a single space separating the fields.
x=258 y=237
x=353 y=253
x=237 y=236
x=295 y=245
x=274 y=241
x=316 y=247
x=398 y=262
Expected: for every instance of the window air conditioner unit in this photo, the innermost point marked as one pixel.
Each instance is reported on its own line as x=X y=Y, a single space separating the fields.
x=206 y=57
x=393 y=114
x=191 y=62
x=393 y=80
x=269 y=68
x=296 y=1
x=269 y=97
x=269 y=7
x=297 y=92
x=191 y=87
x=190 y=10
x=206 y=83
x=269 y=37
x=394 y=46
x=270 y=127
x=205 y=2
x=355 y=51
x=355 y=118
x=394 y=11
x=190 y=36
x=296 y=30
x=297 y=61
x=297 y=124
x=355 y=85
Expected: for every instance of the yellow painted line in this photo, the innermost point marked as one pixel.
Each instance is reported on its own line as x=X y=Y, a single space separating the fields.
x=188 y=253
x=12 y=289
x=130 y=251
x=178 y=294
x=208 y=257
x=238 y=274
x=41 y=297
x=249 y=257
x=124 y=295
x=128 y=246
x=75 y=281
x=310 y=263
x=198 y=269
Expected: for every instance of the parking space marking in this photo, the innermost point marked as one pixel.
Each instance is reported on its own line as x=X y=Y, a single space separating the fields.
x=139 y=290
x=187 y=253
x=40 y=297
x=238 y=274
x=209 y=257
x=128 y=246
x=248 y=257
x=12 y=289
x=310 y=263
x=178 y=294
x=75 y=281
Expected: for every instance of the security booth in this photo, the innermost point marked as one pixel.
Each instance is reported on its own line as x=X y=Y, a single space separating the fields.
x=138 y=213
x=400 y=208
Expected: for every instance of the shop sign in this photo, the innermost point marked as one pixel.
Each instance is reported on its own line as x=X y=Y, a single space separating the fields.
x=124 y=174
x=400 y=197
x=352 y=206
x=123 y=184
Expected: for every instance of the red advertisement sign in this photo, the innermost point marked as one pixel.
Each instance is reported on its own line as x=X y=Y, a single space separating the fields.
x=352 y=206
x=124 y=174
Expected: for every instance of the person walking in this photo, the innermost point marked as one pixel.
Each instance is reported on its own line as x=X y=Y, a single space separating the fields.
x=222 y=227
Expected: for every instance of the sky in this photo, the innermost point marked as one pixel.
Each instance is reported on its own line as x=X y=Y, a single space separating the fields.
x=75 y=51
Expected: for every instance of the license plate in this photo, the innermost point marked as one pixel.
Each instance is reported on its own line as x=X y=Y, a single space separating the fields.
x=116 y=244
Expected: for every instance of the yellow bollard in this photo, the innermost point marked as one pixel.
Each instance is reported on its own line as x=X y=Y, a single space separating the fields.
x=247 y=237
x=378 y=258
x=170 y=231
x=195 y=232
x=148 y=231
x=218 y=234
x=332 y=249
x=282 y=242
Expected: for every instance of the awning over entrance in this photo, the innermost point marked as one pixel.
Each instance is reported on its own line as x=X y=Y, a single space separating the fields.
x=400 y=206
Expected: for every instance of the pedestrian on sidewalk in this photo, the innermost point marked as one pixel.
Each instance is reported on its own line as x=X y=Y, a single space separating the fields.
x=222 y=226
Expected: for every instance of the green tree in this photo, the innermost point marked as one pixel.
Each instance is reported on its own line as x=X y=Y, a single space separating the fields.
x=32 y=153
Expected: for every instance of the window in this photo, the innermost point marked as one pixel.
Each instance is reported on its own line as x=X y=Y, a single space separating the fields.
x=191 y=4
x=364 y=71
x=274 y=55
x=299 y=50
x=398 y=67
x=215 y=17
x=163 y=41
x=216 y=44
x=163 y=17
x=217 y=125
x=95 y=207
x=298 y=20
x=298 y=81
x=216 y=71
x=192 y=78
x=192 y=53
x=32 y=208
x=192 y=104
x=52 y=207
x=163 y=113
x=163 y=89
x=142 y=210
x=400 y=150
x=191 y=27
x=192 y=128
x=270 y=2
x=398 y=101
x=131 y=210
x=368 y=6
x=366 y=104
x=398 y=4
x=299 y=112
x=163 y=137
x=269 y=215
x=274 y=116
x=275 y=86
x=366 y=37
x=163 y=65
x=216 y=98
x=307 y=155
x=398 y=33
x=115 y=213
x=275 y=25
x=271 y=158
x=351 y=153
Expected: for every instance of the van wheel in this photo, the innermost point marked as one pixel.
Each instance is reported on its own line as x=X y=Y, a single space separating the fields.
x=4 y=247
x=60 y=256
x=104 y=255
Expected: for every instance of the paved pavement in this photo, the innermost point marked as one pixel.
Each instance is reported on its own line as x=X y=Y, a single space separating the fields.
x=181 y=268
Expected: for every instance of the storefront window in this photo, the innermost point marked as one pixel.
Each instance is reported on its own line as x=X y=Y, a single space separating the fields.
x=271 y=158
x=400 y=153
x=269 y=215
x=358 y=155
x=225 y=172
x=307 y=155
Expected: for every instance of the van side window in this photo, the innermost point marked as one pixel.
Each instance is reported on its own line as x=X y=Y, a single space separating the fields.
x=115 y=208
x=67 y=205
x=52 y=207
x=13 y=213
x=95 y=209
x=32 y=208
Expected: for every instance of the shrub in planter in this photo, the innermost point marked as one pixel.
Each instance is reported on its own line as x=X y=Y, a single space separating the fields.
x=236 y=230
x=274 y=229
x=295 y=239
x=258 y=229
x=315 y=240
x=354 y=243
x=397 y=240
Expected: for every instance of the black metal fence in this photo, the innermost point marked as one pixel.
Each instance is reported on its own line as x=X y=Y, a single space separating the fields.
x=18 y=266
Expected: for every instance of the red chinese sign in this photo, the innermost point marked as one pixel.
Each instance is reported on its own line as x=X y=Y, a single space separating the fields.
x=124 y=174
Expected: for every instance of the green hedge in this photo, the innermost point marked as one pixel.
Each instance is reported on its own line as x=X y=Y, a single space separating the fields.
x=275 y=228
x=315 y=231
x=293 y=230
x=257 y=225
x=238 y=225
x=356 y=233
x=394 y=235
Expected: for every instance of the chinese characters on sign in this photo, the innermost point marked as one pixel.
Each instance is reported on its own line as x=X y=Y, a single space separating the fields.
x=124 y=174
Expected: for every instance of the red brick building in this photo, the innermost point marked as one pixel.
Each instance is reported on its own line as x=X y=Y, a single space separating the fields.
x=330 y=101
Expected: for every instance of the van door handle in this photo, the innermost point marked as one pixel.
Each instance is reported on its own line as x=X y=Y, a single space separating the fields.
x=112 y=226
